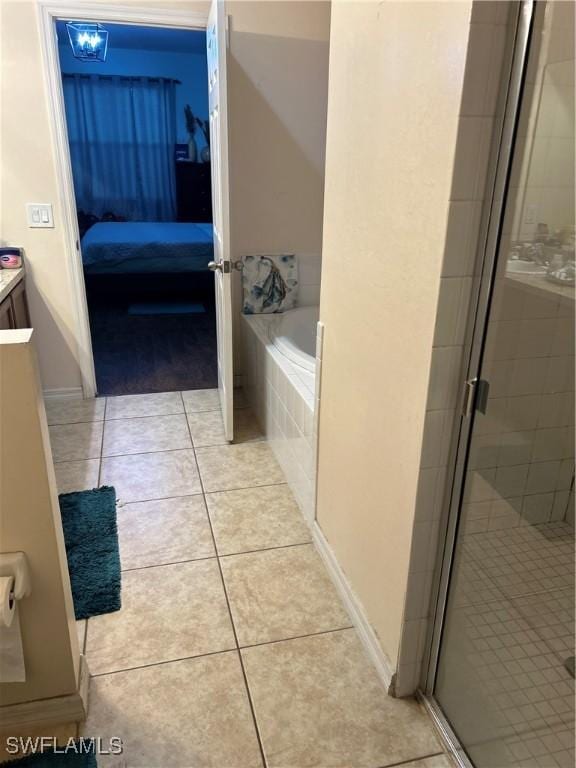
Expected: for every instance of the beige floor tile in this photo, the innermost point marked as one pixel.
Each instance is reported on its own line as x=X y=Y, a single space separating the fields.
x=77 y=475
x=130 y=406
x=196 y=400
x=207 y=428
x=71 y=411
x=187 y=713
x=146 y=434
x=145 y=476
x=436 y=761
x=228 y=467
x=280 y=593
x=256 y=518
x=164 y=531
x=319 y=702
x=72 y=442
x=168 y=612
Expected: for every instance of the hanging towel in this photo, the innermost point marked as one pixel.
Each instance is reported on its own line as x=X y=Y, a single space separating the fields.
x=270 y=283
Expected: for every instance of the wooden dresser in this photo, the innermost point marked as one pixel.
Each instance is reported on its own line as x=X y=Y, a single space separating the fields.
x=193 y=192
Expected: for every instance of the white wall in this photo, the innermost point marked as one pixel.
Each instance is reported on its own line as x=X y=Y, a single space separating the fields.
x=395 y=85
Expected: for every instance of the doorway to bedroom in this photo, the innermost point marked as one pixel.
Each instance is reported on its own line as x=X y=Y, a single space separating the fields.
x=136 y=105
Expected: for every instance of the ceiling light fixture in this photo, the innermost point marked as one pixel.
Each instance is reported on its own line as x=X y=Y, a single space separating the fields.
x=89 y=41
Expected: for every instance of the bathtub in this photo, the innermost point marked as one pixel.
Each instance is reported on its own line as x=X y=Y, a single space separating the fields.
x=294 y=335
x=278 y=369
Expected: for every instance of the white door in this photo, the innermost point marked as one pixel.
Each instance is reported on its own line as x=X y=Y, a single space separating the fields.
x=217 y=99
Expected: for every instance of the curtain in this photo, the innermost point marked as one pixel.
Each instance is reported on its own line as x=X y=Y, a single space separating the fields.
x=122 y=133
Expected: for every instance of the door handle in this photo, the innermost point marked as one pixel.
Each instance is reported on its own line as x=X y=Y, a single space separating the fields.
x=220 y=266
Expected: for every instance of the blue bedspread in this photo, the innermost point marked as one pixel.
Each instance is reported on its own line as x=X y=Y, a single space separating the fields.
x=145 y=246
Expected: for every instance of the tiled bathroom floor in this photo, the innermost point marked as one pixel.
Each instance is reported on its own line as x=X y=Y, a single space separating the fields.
x=232 y=648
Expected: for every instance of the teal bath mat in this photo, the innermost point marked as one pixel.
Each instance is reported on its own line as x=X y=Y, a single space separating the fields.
x=91 y=538
x=55 y=760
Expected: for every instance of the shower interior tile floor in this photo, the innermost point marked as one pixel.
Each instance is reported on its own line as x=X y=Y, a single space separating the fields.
x=514 y=621
x=232 y=648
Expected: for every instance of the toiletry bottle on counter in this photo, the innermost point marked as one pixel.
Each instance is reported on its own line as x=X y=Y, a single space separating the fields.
x=11 y=258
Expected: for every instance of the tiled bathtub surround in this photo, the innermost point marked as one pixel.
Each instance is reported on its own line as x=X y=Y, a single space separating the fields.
x=310 y=270
x=282 y=395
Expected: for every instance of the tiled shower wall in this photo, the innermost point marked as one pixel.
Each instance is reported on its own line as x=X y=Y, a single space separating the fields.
x=522 y=455
x=483 y=74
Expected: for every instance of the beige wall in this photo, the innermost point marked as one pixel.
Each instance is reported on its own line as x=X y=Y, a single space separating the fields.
x=28 y=175
x=390 y=154
x=278 y=90
x=278 y=71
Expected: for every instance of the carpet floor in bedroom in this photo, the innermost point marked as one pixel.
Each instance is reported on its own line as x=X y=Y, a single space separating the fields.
x=143 y=353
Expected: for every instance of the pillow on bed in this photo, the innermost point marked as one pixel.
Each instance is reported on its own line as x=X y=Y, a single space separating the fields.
x=270 y=283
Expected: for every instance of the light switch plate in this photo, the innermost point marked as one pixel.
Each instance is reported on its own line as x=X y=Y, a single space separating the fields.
x=39 y=215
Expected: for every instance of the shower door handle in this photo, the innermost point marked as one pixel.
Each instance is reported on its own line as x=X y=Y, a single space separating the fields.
x=469 y=397
x=475 y=396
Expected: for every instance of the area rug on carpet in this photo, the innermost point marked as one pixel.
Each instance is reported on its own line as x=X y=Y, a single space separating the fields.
x=166 y=308
x=70 y=759
x=91 y=538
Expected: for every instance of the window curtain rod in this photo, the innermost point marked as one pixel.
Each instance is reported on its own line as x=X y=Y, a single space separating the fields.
x=147 y=78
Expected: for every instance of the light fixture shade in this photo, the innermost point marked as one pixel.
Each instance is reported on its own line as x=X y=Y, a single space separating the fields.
x=89 y=41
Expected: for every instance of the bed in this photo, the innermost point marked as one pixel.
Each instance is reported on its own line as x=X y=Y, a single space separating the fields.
x=139 y=247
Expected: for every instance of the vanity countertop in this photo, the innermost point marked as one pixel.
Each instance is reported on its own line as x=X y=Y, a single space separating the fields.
x=539 y=283
x=9 y=279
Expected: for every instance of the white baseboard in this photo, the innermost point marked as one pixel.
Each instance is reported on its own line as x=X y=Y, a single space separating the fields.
x=66 y=393
x=354 y=607
x=31 y=715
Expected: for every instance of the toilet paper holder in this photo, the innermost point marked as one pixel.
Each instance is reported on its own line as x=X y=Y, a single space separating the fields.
x=15 y=564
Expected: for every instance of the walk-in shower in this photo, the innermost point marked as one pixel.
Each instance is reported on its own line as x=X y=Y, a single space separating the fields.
x=502 y=661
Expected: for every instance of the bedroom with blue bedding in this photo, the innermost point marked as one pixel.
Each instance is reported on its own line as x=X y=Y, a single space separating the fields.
x=137 y=124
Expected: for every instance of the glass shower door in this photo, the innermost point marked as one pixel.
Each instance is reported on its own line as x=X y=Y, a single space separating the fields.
x=505 y=675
